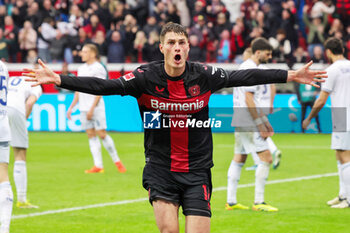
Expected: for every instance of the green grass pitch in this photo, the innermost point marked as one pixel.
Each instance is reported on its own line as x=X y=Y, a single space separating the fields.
x=56 y=182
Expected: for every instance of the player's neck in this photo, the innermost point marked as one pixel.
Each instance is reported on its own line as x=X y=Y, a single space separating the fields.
x=174 y=72
x=91 y=61
x=255 y=60
x=337 y=57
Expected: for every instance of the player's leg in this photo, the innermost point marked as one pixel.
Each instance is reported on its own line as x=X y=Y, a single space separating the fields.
x=167 y=216
x=108 y=143
x=20 y=174
x=94 y=143
x=6 y=195
x=261 y=174
x=243 y=142
x=196 y=203
x=233 y=177
x=19 y=143
x=100 y=124
x=342 y=194
x=164 y=195
x=20 y=178
x=344 y=158
x=276 y=153
x=197 y=224
x=256 y=160
x=95 y=148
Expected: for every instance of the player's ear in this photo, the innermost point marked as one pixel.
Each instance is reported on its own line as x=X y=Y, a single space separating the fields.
x=161 y=47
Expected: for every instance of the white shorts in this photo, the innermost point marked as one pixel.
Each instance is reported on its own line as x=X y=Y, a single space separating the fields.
x=4 y=152
x=18 y=127
x=340 y=141
x=247 y=142
x=97 y=122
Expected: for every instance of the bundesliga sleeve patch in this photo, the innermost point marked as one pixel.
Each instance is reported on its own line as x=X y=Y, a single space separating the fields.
x=129 y=76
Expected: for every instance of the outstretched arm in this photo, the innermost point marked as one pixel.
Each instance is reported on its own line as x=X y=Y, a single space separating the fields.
x=252 y=77
x=91 y=85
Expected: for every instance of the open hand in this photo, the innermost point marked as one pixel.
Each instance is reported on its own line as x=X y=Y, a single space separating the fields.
x=43 y=75
x=306 y=76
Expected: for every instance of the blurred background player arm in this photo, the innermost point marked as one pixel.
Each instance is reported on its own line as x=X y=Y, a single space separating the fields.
x=90 y=113
x=31 y=100
x=273 y=94
x=29 y=104
x=74 y=102
x=318 y=105
x=249 y=98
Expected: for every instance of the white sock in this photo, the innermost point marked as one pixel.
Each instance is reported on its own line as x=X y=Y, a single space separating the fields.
x=95 y=148
x=261 y=174
x=6 y=202
x=342 y=192
x=271 y=145
x=233 y=176
x=110 y=147
x=255 y=158
x=345 y=169
x=20 y=177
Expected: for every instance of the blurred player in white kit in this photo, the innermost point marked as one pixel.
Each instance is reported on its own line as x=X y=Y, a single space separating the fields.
x=92 y=112
x=6 y=195
x=337 y=87
x=21 y=99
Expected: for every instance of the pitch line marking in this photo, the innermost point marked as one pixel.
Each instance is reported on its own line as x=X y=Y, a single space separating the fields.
x=48 y=212
x=310 y=147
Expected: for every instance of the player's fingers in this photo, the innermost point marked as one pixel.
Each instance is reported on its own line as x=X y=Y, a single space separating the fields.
x=315 y=85
x=35 y=84
x=28 y=70
x=319 y=80
x=32 y=75
x=42 y=64
x=319 y=73
x=321 y=76
x=308 y=65
x=30 y=80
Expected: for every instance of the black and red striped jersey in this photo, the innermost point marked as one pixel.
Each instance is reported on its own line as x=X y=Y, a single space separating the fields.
x=180 y=144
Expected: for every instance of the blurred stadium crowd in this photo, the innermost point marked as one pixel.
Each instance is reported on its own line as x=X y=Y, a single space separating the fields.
x=127 y=31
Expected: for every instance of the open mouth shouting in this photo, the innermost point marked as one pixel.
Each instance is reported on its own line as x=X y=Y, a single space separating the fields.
x=177 y=58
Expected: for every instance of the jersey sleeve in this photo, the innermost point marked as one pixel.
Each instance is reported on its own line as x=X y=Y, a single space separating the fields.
x=328 y=85
x=251 y=77
x=217 y=77
x=36 y=91
x=129 y=84
x=220 y=78
x=250 y=89
x=101 y=72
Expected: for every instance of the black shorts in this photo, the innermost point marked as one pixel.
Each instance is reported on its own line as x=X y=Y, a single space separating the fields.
x=191 y=190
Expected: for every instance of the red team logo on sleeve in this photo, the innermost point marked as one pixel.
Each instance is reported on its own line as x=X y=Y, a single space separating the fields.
x=129 y=76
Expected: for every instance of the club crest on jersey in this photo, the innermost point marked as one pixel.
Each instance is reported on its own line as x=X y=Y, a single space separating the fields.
x=194 y=90
x=129 y=76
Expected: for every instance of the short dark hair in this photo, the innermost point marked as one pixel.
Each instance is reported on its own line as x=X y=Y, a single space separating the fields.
x=260 y=43
x=334 y=45
x=172 y=27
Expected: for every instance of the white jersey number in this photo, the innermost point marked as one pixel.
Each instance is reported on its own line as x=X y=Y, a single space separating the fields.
x=3 y=99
